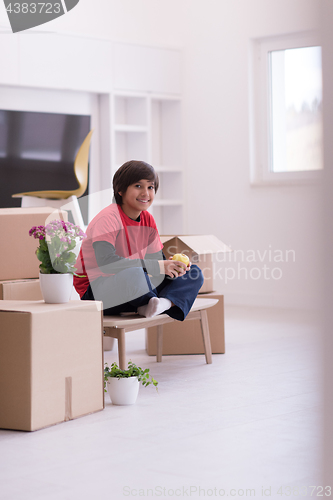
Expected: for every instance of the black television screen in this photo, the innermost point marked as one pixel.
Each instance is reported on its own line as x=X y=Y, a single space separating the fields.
x=37 y=152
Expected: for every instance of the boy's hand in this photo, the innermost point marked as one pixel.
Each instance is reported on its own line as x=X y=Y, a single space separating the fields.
x=173 y=268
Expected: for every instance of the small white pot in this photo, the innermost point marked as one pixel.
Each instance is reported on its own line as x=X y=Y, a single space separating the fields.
x=123 y=391
x=56 y=288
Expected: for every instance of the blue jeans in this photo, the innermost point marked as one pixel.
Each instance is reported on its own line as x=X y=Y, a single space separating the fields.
x=137 y=289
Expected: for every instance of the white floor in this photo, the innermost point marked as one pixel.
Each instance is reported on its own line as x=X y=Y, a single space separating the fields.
x=249 y=421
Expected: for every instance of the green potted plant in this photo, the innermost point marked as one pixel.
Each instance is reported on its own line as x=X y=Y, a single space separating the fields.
x=57 y=240
x=123 y=385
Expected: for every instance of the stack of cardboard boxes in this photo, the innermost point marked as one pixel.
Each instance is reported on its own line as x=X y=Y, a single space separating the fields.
x=19 y=267
x=51 y=355
x=186 y=337
x=51 y=358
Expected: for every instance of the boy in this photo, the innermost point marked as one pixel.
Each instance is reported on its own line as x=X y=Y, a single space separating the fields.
x=122 y=259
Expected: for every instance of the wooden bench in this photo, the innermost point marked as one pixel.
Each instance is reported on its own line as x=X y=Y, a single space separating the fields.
x=117 y=326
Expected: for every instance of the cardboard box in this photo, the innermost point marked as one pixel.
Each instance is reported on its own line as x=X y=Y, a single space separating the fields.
x=20 y=290
x=200 y=249
x=185 y=337
x=30 y=290
x=18 y=258
x=51 y=362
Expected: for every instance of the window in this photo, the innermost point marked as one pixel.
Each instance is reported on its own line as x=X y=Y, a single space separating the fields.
x=286 y=107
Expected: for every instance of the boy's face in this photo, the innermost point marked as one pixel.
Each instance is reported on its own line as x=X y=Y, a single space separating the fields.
x=138 y=197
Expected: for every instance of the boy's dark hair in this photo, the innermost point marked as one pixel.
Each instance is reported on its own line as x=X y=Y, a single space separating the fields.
x=131 y=172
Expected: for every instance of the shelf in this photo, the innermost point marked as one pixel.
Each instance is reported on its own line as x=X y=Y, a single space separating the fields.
x=166 y=132
x=148 y=127
x=169 y=218
x=130 y=146
x=130 y=111
x=171 y=186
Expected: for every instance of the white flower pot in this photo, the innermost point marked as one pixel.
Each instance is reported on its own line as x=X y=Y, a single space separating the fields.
x=123 y=391
x=56 y=288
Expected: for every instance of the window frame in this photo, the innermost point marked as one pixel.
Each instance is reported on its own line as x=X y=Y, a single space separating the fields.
x=261 y=112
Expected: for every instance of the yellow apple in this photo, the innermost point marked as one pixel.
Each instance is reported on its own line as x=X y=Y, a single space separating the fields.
x=181 y=257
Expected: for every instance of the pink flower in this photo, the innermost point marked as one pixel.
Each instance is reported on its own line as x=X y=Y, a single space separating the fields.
x=37 y=232
x=58 y=231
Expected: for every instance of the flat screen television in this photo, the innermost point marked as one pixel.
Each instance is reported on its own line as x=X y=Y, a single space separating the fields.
x=37 y=152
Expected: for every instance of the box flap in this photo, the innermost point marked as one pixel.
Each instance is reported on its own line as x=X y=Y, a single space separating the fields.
x=39 y=306
x=201 y=244
x=164 y=239
x=20 y=290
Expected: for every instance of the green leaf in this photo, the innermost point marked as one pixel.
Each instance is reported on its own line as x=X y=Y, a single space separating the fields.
x=71 y=257
x=43 y=245
x=72 y=245
x=132 y=371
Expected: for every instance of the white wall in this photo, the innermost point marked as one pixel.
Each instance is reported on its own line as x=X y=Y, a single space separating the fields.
x=215 y=38
x=144 y=21
x=220 y=199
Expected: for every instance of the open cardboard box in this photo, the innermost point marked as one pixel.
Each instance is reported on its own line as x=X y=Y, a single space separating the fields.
x=51 y=362
x=30 y=290
x=20 y=290
x=18 y=258
x=200 y=250
x=185 y=337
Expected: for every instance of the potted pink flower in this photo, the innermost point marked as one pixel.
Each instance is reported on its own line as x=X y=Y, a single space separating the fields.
x=57 y=240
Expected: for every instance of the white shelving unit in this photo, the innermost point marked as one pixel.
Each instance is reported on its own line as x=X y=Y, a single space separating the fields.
x=134 y=101
x=148 y=127
x=129 y=128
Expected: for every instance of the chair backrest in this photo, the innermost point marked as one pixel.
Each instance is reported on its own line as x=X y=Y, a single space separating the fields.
x=81 y=165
